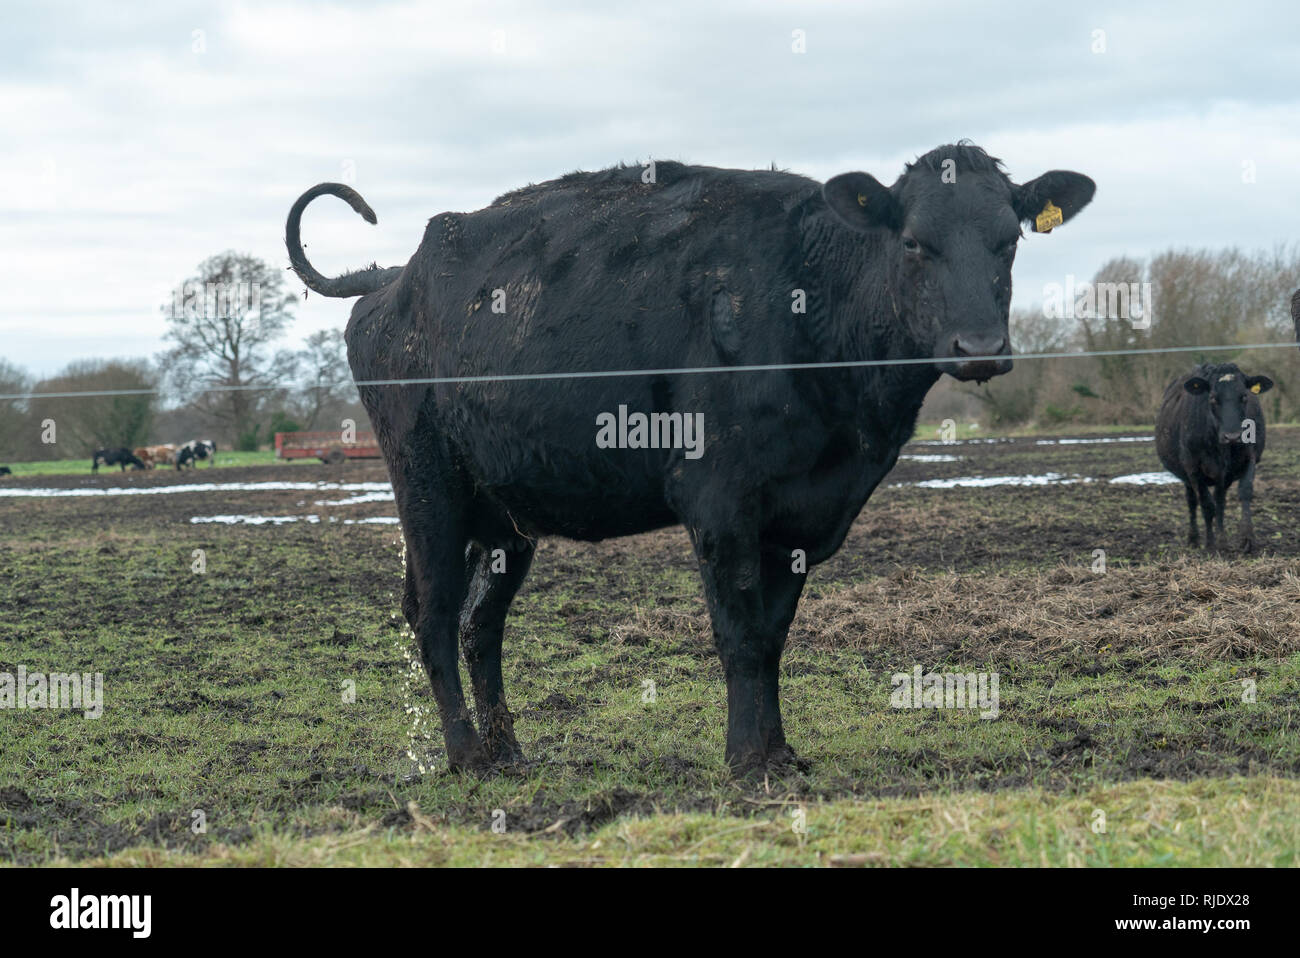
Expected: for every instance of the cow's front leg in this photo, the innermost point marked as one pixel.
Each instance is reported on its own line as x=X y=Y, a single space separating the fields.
x=782 y=586
x=730 y=567
x=746 y=667
x=1194 y=529
x=751 y=597
x=1207 y=511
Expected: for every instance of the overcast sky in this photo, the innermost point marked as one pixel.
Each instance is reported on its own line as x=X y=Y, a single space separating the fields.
x=135 y=142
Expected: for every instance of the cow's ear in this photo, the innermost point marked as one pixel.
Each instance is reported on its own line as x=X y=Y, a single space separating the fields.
x=1053 y=198
x=861 y=202
x=1196 y=385
x=1259 y=384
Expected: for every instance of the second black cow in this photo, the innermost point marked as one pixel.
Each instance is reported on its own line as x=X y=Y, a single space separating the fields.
x=1210 y=434
x=589 y=305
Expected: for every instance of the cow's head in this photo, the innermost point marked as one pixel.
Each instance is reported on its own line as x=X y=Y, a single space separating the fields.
x=1224 y=389
x=953 y=221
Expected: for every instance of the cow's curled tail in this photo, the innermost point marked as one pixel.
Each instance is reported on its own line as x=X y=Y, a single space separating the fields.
x=349 y=284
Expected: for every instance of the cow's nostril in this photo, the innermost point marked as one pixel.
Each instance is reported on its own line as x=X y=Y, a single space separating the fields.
x=978 y=347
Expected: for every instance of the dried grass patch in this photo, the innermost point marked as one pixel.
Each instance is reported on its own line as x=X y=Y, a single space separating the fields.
x=1204 y=609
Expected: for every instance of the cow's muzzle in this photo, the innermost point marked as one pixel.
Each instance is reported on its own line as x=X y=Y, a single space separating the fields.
x=977 y=357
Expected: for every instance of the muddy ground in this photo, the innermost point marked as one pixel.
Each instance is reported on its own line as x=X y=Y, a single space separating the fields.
x=222 y=686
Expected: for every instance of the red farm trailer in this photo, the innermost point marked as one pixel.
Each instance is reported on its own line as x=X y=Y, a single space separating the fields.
x=328 y=447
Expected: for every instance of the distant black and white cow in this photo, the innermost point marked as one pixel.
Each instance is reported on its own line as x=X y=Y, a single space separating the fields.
x=115 y=457
x=1210 y=433
x=194 y=450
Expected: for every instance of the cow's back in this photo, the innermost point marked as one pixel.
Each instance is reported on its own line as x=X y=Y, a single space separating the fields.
x=594 y=267
x=1171 y=425
x=593 y=272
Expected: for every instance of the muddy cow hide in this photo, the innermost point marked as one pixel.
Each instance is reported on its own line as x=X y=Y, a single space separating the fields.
x=602 y=292
x=1210 y=434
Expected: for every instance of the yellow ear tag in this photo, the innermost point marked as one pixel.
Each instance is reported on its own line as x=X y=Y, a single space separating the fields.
x=1255 y=388
x=862 y=199
x=1049 y=218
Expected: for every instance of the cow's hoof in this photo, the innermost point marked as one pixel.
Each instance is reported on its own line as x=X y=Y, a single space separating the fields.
x=462 y=765
x=779 y=761
x=489 y=768
x=506 y=756
x=783 y=759
x=479 y=766
x=470 y=760
x=750 y=767
x=505 y=753
x=490 y=758
x=498 y=736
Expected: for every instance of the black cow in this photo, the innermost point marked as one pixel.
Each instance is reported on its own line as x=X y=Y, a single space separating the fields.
x=115 y=457
x=1295 y=313
x=1210 y=433
x=6 y=471
x=194 y=450
x=690 y=267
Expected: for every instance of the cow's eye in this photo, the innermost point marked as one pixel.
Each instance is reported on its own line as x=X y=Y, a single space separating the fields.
x=910 y=245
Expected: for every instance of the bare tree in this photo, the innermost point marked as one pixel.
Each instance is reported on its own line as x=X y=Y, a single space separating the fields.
x=1177 y=298
x=14 y=380
x=321 y=367
x=85 y=423
x=223 y=322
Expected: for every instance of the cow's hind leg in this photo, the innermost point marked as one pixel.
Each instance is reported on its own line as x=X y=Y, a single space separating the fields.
x=432 y=519
x=493 y=577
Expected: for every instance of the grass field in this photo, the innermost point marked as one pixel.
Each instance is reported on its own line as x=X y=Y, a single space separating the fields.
x=1147 y=714
x=266 y=457
x=76 y=467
